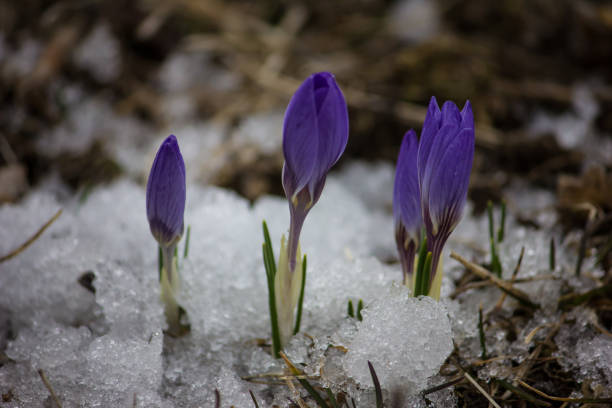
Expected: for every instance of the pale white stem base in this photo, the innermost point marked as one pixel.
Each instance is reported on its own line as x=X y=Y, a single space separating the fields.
x=287 y=285
x=170 y=285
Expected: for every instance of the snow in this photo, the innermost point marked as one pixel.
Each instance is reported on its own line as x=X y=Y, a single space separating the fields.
x=108 y=348
x=405 y=338
x=585 y=351
x=575 y=129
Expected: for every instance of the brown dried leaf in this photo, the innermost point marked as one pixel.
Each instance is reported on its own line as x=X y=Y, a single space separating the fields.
x=592 y=189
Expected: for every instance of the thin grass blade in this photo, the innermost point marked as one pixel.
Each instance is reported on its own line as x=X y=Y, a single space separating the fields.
x=377 y=389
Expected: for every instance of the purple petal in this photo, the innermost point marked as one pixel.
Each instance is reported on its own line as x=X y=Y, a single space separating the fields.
x=406 y=197
x=332 y=125
x=449 y=182
x=166 y=193
x=314 y=136
x=428 y=133
x=443 y=139
x=467 y=117
x=450 y=114
x=300 y=135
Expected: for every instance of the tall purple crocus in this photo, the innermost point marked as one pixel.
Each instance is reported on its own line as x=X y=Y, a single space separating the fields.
x=315 y=134
x=165 y=209
x=444 y=163
x=407 y=204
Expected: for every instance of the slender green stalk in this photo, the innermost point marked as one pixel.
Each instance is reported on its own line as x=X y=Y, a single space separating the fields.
x=491 y=220
x=350 y=310
x=313 y=393
x=331 y=398
x=426 y=275
x=169 y=281
x=268 y=256
x=502 y=226
x=420 y=268
x=495 y=263
x=298 y=318
x=187 y=237
x=483 y=345
x=551 y=255
x=582 y=250
x=359 y=309
x=377 y=389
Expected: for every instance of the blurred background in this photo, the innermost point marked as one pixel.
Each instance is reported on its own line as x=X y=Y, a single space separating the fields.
x=89 y=88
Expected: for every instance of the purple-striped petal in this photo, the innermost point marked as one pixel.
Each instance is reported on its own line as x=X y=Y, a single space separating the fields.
x=406 y=197
x=166 y=193
x=450 y=114
x=300 y=137
x=449 y=181
x=332 y=123
x=428 y=133
x=467 y=117
x=314 y=136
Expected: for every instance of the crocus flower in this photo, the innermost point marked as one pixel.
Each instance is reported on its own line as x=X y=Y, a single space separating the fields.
x=407 y=204
x=165 y=209
x=315 y=133
x=166 y=193
x=444 y=162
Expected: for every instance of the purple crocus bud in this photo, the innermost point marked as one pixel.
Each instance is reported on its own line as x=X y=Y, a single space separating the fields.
x=166 y=194
x=407 y=204
x=315 y=134
x=445 y=156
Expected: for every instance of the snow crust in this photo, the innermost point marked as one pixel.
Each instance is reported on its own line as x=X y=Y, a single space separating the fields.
x=108 y=348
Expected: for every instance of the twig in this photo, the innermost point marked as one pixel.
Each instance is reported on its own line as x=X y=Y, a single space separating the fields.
x=575 y=299
x=532 y=333
x=275 y=376
x=526 y=365
x=490 y=360
x=484 y=284
x=480 y=389
x=600 y=327
x=296 y=393
x=34 y=237
x=562 y=399
x=45 y=381
x=309 y=388
x=521 y=393
x=502 y=284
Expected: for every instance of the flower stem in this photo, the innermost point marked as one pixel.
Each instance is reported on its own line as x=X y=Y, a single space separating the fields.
x=295 y=228
x=169 y=286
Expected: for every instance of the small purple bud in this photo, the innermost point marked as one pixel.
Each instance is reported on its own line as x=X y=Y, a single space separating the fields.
x=315 y=133
x=445 y=158
x=407 y=204
x=166 y=193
